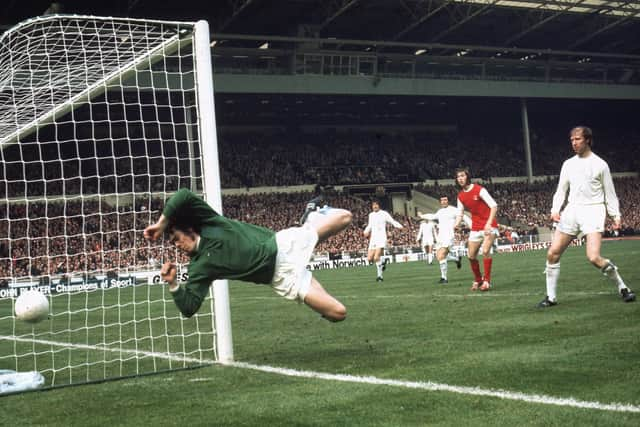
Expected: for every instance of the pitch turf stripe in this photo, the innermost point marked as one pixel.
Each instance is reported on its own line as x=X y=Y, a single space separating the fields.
x=429 y=386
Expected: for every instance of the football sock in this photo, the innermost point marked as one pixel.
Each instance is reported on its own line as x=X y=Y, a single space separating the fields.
x=443 y=269
x=611 y=271
x=429 y=257
x=553 y=272
x=475 y=267
x=486 y=262
x=379 y=268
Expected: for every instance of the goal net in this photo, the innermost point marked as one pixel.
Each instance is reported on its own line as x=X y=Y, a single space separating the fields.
x=101 y=121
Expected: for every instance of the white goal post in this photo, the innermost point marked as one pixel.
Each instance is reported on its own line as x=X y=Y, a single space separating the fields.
x=101 y=121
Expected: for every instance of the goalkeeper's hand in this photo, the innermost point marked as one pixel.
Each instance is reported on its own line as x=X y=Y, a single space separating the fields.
x=168 y=272
x=154 y=231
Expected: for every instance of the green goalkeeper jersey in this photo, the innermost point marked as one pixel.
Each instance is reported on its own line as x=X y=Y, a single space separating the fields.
x=228 y=249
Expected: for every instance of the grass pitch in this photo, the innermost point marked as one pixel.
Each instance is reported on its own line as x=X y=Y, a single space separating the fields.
x=403 y=333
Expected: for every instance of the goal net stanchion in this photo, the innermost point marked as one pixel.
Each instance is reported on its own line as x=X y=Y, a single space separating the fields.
x=101 y=121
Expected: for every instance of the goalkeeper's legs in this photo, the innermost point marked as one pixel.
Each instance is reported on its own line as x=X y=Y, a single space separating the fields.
x=322 y=302
x=329 y=221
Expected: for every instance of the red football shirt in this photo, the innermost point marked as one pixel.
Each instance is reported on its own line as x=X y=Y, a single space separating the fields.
x=472 y=201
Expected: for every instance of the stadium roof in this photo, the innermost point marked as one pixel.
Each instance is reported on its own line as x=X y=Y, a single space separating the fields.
x=604 y=34
x=598 y=26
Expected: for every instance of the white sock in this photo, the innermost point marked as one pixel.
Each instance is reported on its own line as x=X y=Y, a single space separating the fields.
x=443 y=269
x=452 y=257
x=379 y=268
x=553 y=272
x=430 y=257
x=611 y=271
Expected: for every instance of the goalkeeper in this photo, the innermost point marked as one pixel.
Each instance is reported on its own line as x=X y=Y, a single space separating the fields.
x=222 y=248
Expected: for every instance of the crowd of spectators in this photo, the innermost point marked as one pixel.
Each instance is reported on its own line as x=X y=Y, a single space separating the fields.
x=45 y=239
x=363 y=157
x=94 y=236
x=293 y=157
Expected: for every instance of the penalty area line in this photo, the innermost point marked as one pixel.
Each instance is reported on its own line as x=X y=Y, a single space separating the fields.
x=419 y=385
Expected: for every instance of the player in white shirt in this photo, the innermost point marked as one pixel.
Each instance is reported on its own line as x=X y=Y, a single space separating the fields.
x=591 y=197
x=376 y=230
x=446 y=217
x=427 y=236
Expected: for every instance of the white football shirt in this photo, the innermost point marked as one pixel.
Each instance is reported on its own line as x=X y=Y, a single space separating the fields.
x=588 y=181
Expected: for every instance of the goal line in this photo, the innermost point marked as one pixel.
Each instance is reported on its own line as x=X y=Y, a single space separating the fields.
x=418 y=385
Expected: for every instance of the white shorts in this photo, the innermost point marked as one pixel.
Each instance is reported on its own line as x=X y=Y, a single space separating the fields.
x=478 y=235
x=379 y=242
x=445 y=240
x=586 y=219
x=291 y=278
x=428 y=242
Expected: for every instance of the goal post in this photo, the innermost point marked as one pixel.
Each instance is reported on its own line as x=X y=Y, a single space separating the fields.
x=101 y=121
x=207 y=117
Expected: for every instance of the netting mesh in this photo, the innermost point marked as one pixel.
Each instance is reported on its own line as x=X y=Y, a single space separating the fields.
x=98 y=127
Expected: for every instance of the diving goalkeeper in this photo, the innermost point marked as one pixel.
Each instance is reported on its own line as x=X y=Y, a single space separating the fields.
x=222 y=248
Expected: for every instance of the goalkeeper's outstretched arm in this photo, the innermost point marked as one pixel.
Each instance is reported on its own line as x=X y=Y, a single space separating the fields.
x=154 y=231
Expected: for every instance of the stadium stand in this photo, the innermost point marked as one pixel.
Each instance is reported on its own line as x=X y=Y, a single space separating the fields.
x=114 y=246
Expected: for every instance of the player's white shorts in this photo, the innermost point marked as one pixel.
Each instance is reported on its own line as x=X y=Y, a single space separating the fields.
x=445 y=240
x=291 y=278
x=478 y=235
x=427 y=242
x=378 y=242
x=582 y=218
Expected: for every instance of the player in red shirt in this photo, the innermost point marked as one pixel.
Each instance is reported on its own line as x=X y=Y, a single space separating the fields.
x=484 y=227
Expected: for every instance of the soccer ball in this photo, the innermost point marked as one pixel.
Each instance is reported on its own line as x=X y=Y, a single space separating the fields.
x=32 y=306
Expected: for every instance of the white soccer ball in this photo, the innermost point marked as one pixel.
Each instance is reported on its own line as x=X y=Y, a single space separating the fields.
x=32 y=306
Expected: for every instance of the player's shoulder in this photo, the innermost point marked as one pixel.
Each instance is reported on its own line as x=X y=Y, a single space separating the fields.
x=598 y=159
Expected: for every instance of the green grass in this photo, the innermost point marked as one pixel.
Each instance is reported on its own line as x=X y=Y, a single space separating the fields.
x=409 y=329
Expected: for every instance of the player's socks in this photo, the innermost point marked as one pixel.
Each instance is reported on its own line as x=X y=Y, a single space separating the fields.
x=553 y=272
x=430 y=257
x=611 y=272
x=475 y=267
x=487 y=262
x=379 y=268
x=443 y=269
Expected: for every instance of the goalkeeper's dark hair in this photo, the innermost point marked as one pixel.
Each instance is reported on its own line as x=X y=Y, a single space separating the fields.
x=176 y=225
x=586 y=133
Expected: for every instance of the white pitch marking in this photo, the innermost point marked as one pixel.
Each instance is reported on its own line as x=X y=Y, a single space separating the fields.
x=429 y=386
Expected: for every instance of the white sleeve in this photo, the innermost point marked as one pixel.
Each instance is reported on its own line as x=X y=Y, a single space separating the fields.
x=460 y=209
x=368 y=227
x=484 y=195
x=561 y=191
x=610 y=197
x=419 y=232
